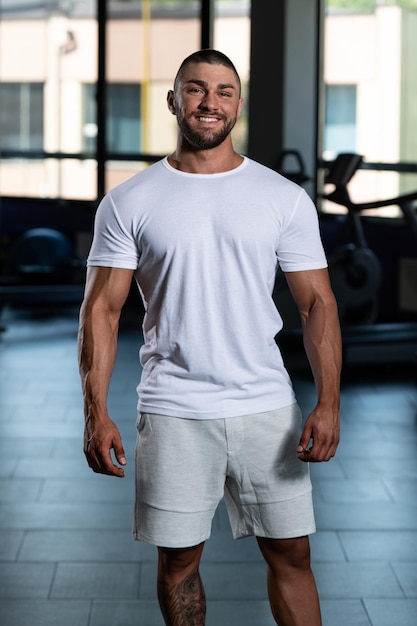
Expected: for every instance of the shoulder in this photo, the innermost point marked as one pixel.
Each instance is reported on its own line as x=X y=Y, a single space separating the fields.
x=138 y=180
x=271 y=176
x=130 y=197
x=273 y=184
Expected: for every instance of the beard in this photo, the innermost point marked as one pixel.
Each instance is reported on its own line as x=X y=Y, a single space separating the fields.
x=205 y=139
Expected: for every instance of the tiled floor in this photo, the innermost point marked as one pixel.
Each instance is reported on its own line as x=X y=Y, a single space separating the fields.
x=66 y=553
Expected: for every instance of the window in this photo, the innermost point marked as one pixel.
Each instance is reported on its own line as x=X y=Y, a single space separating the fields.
x=370 y=94
x=123 y=118
x=48 y=90
x=340 y=120
x=232 y=36
x=21 y=116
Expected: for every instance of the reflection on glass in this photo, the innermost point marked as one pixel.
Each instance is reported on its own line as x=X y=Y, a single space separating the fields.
x=21 y=115
x=48 y=91
x=370 y=90
x=47 y=50
x=146 y=43
x=232 y=36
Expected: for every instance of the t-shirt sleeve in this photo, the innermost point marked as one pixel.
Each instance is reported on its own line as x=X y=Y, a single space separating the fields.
x=113 y=245
x=300 y=246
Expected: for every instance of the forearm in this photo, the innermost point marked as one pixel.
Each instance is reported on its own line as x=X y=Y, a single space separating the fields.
x=322 y=341
x=97 y=348
x=105 y=293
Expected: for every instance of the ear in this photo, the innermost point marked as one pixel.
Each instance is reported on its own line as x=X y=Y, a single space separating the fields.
x=171 y=102
x=240 y=107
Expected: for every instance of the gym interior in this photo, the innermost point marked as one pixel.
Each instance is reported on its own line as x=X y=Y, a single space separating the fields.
x=330 y=92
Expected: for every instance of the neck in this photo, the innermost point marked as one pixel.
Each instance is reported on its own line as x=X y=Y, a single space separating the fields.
x=213 y=161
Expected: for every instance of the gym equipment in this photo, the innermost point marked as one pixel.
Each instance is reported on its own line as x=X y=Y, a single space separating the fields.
x=297 y=170
x=356 y=276
x=42 y=256
x=42 y=268
x=355 y=271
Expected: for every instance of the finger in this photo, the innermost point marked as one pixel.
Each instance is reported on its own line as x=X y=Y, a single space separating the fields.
x=93 y=458
x=304 y=447
x=313 y=450
x=329 y=445
x=107 y=465
x=305 y=439
x=321 y=452
x=306 y=455
x=100 y=461
x=119 y=452
x=110 y=466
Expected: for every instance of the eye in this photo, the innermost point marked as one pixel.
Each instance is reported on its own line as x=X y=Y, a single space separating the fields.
x=225 y=94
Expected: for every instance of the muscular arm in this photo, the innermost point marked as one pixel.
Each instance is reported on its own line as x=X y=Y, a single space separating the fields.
x=321 y=332
x=105 y=294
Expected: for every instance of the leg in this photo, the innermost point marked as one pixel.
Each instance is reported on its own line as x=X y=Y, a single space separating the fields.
x=180 y=590
x=291 y=588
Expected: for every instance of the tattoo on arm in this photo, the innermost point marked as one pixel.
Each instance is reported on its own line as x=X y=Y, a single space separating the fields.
x=183 y=604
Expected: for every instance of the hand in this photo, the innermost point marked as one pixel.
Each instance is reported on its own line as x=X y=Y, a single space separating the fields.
x=99 y=439
x=322 y=428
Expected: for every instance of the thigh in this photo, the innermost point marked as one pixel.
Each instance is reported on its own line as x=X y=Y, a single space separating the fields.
x=180 y=475
x=268 y=491
x=266 y=465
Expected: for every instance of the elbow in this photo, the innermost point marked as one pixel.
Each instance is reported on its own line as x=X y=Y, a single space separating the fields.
x=96 y=310
x=321 y=310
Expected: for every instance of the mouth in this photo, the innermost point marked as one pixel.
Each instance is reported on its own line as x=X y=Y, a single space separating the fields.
x=208 y=120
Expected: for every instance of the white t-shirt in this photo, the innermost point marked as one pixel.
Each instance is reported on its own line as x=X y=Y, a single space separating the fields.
x=205 y=249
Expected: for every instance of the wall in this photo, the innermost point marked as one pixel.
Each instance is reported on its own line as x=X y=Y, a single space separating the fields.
x=300 y=98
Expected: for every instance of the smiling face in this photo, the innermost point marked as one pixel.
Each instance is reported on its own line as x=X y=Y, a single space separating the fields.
x=206 y=103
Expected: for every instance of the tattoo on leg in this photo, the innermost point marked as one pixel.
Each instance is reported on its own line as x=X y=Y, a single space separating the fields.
x=183 y=604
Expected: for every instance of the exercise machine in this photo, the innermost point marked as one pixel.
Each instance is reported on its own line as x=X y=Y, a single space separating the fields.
x=355 y=270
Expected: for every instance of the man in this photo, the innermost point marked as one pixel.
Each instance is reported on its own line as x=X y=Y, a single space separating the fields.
x=202 y=232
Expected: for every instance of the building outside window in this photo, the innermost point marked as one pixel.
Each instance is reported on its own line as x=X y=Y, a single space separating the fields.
x=49 y=85
x=340 y=127
x=48 y=82
x=123 y=118
x=21 y=116
x=370 y=93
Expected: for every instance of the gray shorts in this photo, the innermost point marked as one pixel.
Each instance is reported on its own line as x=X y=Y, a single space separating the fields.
x=185 y=466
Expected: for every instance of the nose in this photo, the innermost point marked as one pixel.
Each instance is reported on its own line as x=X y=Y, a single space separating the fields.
x=209 y=102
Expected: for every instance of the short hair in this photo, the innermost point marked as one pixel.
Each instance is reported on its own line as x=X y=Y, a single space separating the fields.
x=210 y=56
